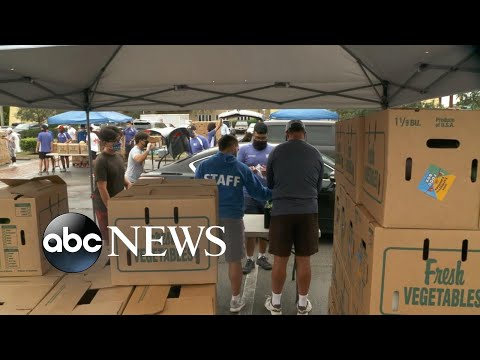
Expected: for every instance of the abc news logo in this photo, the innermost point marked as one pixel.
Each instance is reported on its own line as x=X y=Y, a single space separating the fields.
x=73 y=243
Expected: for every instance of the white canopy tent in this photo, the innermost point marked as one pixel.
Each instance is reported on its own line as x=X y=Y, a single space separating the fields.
x=248 y=113
x=168 y=77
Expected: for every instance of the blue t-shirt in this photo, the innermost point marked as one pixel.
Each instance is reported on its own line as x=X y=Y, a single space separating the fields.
x=198 y=144
x=45 y=139
x=231 y=176
x=212 y=139
x=82 y=135
x=63 y=137
x=129 y=136
x=253 y=157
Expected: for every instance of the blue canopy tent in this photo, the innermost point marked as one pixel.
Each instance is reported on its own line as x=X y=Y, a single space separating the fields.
x=304 y=114
x=80 y=117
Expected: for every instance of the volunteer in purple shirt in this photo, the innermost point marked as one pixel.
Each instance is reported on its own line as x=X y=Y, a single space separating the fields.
x=63 y=138
x=212 y=129
x=129 y=134
x=255 y=156
x=44 y=146
x=197 y=142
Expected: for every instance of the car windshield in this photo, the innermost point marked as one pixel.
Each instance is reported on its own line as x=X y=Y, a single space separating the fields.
x=316 y=135
x=22 y=127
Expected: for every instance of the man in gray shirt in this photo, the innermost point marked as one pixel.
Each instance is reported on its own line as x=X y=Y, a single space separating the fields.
x=137 y=157
x=294 y=173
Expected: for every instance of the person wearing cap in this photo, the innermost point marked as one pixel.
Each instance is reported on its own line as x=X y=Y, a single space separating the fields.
x=13 y=145
x=197 y=142
x=255 y=156
x=64 y=138
x=44 y=146
x=224 y=129
x=295 y=174
x=82 y=133
x=137 y=156
x=129 y=134
x=109 y=176
x=231 y=177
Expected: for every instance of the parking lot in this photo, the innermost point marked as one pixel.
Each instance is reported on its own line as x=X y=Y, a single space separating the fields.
x=256 y=285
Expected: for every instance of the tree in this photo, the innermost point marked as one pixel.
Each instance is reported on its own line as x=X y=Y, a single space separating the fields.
x=35 y=115
x=133 y=114
x=469 y=100
x=346 y=114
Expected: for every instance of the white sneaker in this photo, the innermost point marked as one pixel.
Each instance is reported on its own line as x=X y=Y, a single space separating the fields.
x=14 y=165
x=304 y=310
x=274 y=309
x=236 y=306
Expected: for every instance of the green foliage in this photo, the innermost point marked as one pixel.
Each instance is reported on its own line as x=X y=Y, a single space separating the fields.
x=469 y=100
x=28 y=144
x=35 y=115
x=346 y=114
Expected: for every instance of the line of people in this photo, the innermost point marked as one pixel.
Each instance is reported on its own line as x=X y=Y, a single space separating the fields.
x=291 y=176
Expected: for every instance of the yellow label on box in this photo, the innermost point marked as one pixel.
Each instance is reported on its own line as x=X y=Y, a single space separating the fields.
x=442 y=184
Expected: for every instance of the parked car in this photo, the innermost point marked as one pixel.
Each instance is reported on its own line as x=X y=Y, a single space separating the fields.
x=19 y=129
x=250 y=128
x=320 y=133
x=230 y=126
x=186 y=167
x=147 y=124
x=241 y=126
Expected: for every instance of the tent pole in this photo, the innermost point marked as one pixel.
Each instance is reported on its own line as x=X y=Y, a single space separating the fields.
x=90 y=167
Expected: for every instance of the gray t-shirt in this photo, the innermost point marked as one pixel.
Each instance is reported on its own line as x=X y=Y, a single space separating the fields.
x=295 y=173
x=134 y=168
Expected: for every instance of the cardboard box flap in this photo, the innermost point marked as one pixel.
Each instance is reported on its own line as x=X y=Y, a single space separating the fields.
x=105 y=308
x=195 y=305
x=100 y=279
x=173 y=182
x=13 y=311
x=198 y=290
x=21 y=296
x=167 y=192
x=64 y=297
x=16 y=182
x=147 y=300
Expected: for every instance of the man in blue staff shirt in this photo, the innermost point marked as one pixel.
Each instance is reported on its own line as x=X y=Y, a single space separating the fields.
x=255 y=156
x=231 y=177
x=129 y=134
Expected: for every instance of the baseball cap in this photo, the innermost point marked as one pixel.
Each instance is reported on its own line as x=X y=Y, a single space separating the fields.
x=44 y=127
x=61 y=127
x=295 y=125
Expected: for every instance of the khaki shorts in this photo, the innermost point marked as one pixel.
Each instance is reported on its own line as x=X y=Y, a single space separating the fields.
x=297 y=230
x=234 y=238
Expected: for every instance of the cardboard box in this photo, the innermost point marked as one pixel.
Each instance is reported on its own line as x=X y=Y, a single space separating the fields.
x=353 y=135
x=173 y=300
x=160 y=202
x=62 y=148
x=339 y=147
x=341 y=286
x=415 y=271
x=55 y=147
x=92 y=294
x=28 y=206
x=420 y=168
x=339 y=218
x=83 y=148
x=73 y=148
x=332 y=306
x=20 y=295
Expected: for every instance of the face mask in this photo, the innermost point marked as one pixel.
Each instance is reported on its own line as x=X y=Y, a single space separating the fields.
x=259 y=145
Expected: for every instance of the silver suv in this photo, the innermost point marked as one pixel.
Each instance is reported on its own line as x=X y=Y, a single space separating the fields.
x=320 y=133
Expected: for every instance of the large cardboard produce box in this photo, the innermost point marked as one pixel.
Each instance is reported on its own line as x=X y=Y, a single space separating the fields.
x=420 y=168
x=167 y=203
x=28 y=206
x=414 y=271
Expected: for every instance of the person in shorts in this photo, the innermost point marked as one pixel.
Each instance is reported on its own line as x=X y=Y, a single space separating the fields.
x=44 y=146
x=295 y=174
x=232 y=176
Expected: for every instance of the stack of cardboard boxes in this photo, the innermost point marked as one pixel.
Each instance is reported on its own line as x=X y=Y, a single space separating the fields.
x=407 y=211
x=27 y=206
x=170 y=284
x=4 y=154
